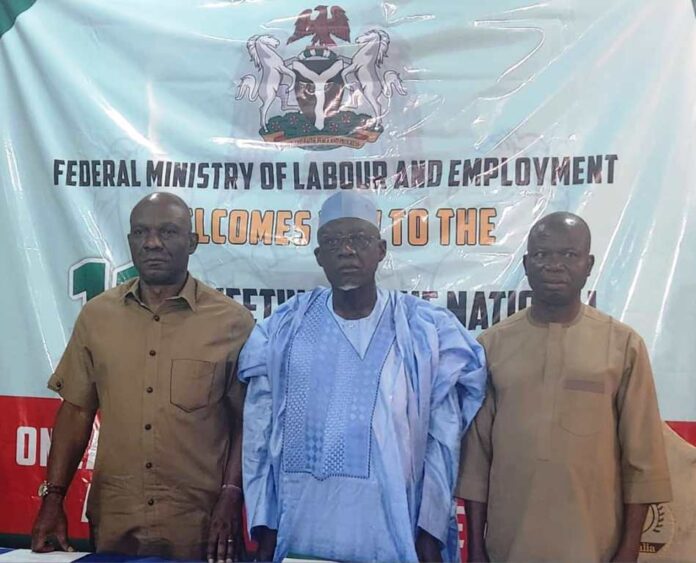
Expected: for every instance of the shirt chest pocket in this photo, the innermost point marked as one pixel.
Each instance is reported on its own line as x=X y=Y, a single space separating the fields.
x=582 y=406
x=191 y=384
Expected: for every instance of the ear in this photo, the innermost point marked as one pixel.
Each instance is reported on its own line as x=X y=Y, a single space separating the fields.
x=590 y=264
x=382 y=248
x=317 y=255
x=193 y=243
x=524 y=263
x=132 y=247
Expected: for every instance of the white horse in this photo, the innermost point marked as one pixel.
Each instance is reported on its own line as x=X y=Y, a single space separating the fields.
x=276 y=80
x=363 y=74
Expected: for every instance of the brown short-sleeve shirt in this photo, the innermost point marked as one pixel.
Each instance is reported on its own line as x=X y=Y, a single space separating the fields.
x=160 y=380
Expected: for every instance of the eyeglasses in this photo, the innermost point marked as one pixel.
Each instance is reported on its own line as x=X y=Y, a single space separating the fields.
x=357 y=241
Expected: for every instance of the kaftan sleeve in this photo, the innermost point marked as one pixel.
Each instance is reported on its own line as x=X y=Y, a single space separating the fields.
x=644 y=472
x=458 y=390
x=260 y=491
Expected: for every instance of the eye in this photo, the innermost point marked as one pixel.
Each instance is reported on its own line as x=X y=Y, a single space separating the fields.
x=168 y=232
x=360 y=241
x=137 y=232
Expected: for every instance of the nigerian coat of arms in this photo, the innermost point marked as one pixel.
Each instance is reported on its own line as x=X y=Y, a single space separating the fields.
x=328 y=99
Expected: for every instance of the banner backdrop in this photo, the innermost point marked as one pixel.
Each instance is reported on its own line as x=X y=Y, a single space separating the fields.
x=467 y=120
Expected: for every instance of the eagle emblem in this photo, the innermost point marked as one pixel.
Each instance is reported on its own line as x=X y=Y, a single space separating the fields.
x=327 y=95
x=322 y=27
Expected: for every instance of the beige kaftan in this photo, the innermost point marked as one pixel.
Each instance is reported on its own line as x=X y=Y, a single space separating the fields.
x=569 y=431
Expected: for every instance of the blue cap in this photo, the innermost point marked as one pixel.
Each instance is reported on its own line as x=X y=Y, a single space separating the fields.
x=348 y=204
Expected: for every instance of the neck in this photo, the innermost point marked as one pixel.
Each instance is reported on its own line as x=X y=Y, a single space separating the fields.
x=550 y=313
x=355 y=303
x=154 y=295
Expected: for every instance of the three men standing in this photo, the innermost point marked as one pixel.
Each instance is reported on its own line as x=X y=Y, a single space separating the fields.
x=566 y=453
x=357 y=399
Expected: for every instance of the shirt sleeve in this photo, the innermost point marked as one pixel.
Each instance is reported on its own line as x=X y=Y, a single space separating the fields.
x=458 y=391
x=476 y=452
x=73 y=379
x=240 y=334
x=644 y=471
x=260 y=491
x=475 y=458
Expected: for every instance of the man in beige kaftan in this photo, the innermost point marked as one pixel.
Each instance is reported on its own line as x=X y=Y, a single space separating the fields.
x=566 y=453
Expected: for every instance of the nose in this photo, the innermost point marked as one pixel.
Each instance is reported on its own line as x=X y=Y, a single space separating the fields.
x=346 y=248
x=152 y=241
x=554 y=262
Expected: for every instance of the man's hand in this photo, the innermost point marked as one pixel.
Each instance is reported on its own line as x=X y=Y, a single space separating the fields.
x=50 y=530
x=626 y=554
x=476 y=516
x=629 y=546
x=427 y=547
x=266 y=539
x=226 y=539
x=71 y=432
x=477 y=554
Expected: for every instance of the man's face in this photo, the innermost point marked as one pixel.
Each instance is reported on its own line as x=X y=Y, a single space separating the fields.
x=161 y=241
x=349 y=251
x=557 y=263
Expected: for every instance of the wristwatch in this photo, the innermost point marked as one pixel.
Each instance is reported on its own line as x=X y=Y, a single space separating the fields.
x=47 y=488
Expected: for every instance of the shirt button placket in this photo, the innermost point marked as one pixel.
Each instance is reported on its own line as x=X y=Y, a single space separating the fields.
x=150 y=385
x=552 y=372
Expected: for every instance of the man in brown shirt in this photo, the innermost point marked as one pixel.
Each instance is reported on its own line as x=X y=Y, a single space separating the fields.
x=567 y=452
x=156 y=357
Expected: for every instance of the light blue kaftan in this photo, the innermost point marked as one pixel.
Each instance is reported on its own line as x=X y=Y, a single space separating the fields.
x=352 y=428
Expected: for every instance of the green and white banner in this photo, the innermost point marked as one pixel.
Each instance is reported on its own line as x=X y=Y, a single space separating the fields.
x=467 y=121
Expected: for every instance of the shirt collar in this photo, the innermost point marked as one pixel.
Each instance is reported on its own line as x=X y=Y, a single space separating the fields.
x=371 y=318
x=188 y=292
x=532 y=321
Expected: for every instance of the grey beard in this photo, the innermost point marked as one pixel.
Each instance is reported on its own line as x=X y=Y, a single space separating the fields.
x=348 y=286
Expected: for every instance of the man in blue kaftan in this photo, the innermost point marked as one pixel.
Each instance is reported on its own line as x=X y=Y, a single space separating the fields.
x=356 y=403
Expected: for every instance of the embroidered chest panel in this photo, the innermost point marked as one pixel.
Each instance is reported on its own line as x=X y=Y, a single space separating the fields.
x=331 y=395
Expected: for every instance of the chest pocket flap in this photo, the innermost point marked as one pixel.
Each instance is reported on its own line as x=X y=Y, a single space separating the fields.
x=582 y=406
x=191 y=384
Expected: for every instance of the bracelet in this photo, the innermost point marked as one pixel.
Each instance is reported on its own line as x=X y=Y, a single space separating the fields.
x=231 y=486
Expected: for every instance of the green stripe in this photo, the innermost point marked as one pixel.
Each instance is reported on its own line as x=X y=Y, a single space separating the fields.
x=9 y=10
